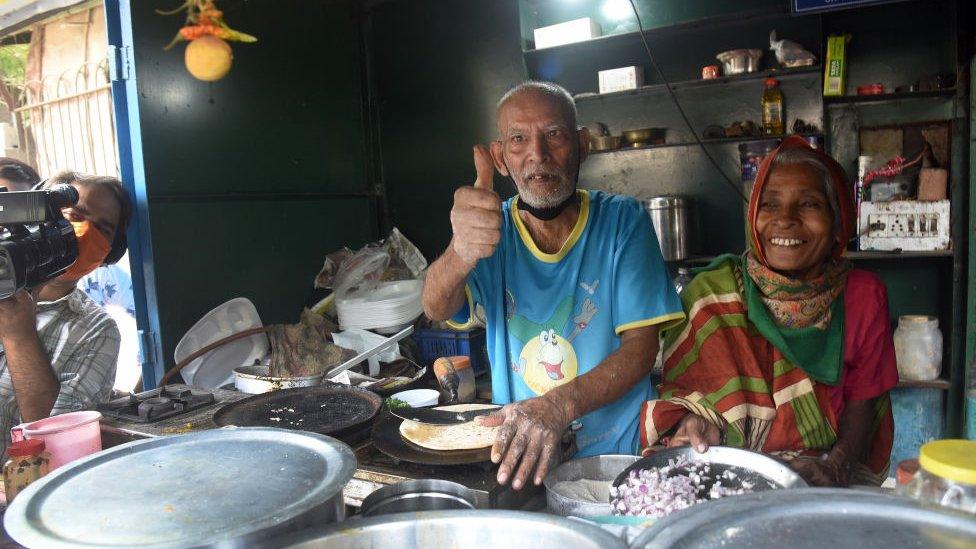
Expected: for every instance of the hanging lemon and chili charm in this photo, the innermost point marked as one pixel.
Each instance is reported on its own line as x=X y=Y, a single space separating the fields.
x=208 y=56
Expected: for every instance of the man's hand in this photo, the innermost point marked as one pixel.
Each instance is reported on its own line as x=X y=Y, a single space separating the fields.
x=18 y=315
x=476 y=217
x=531 y=430
x=697 y=432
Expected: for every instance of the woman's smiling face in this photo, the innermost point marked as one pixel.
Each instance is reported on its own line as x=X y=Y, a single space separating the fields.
x=794 y=222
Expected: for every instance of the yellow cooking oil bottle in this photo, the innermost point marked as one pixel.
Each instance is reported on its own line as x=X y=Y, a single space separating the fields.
x=772 y=108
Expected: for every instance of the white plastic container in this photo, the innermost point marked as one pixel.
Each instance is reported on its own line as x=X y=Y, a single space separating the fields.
x=418 y=397
x=918 y=348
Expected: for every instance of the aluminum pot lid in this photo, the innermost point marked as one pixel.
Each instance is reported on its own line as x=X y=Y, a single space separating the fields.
x=811 y=518
x=186 y=490
x=664 y=202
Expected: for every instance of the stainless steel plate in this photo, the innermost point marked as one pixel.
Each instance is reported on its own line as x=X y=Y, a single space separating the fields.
x=811 y=518
x=436 y=529
x=219 y=486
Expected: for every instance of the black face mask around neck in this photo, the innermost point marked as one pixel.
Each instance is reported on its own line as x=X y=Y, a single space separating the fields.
x=547 y=214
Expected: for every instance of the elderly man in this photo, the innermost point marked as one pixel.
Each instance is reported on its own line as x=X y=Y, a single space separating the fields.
x=58 y=349
x=572 y=284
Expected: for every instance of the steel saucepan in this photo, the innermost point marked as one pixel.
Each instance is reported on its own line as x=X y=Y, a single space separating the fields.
x=643 y=137
x=739 y=61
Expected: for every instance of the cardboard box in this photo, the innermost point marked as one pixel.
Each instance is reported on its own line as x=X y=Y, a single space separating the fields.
x=933 y=184
x=577 y=30
x=835 y=69
x=624 y=78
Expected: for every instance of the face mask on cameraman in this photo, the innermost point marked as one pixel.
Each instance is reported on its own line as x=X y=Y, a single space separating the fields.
x=93 y=248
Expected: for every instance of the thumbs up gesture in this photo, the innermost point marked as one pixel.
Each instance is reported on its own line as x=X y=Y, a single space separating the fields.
x=476 y=217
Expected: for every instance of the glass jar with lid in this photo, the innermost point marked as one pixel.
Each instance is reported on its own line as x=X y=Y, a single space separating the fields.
x=946 y=475
x=28 y=462
x=918 y=348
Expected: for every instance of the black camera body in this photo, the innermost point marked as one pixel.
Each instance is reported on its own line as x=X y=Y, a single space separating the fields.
x=36 y=243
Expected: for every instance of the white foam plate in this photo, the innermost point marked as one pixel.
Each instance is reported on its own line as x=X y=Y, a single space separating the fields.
x=216 y=368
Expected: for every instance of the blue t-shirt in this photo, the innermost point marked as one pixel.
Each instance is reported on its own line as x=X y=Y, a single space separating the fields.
x=553 y=317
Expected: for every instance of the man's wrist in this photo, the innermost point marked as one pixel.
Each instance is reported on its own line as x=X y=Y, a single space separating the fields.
x=18 y=332
x=565 y=401
x=458 y=263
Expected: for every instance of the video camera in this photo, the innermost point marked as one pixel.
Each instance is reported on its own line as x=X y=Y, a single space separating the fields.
x=36 y=242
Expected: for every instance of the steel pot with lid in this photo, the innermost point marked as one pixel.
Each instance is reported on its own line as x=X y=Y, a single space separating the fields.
x=495 y=529
x=418 y=495
x=670 y=217
x=223 y=487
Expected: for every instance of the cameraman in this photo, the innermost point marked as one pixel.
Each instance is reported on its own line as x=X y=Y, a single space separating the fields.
x=58 y=349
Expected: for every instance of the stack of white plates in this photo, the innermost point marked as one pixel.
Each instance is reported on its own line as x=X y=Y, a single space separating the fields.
x=389 y=304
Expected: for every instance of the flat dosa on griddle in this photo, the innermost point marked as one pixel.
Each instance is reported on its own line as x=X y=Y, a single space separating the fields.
x=464 y=436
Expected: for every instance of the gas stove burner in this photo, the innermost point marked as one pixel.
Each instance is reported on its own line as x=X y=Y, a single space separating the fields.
x=151 y=406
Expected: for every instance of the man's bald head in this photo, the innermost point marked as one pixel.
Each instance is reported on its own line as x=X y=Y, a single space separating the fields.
x=547 y=90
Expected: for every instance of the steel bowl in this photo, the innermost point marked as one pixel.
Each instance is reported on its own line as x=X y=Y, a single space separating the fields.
x=257 y=379
x=604 y=142
x=495 y=529
x=643 y=137
x=739 y=61
x=762 y=471
x=601 y=468
x=418 y=495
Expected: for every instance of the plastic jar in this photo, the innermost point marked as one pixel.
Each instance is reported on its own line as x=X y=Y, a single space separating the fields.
x=918 y=348
x=28 y=462
x=946 y=475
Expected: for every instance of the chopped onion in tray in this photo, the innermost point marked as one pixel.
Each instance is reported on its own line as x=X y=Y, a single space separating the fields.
x=678 y=485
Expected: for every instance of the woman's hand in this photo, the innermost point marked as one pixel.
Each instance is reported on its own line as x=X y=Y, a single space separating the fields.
x=832 y=469
x=697 y=432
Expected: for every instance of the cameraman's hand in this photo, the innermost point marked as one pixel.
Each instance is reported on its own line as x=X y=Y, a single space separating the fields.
x=476 y=217
x=18 y=315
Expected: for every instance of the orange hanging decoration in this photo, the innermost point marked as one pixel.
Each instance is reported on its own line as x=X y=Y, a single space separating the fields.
x=208 y=56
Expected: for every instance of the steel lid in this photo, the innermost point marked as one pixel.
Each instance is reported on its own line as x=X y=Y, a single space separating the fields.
x=187 y=490
x=811 y=518
x=666 y=202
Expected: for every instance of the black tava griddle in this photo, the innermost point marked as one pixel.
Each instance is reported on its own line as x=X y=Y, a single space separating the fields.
x=387 y=439
x=329 y=409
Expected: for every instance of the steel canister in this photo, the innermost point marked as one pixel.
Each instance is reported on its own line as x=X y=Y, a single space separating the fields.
x=670 y=217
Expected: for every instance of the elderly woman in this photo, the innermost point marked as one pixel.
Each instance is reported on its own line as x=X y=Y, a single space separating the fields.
x=786 y=349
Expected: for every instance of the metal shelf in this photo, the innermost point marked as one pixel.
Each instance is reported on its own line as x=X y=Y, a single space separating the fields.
x=898 y=255
x=943 y=384
x=947 y=93
x=700 y=83
x=717 y=141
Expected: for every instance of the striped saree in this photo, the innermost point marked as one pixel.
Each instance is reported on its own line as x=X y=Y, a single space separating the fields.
x=718 y=365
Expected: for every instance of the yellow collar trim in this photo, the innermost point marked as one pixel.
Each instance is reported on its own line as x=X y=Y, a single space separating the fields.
x=570 y=242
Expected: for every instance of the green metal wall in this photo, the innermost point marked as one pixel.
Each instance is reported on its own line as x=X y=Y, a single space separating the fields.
x=439 y=66
x=254 y=178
